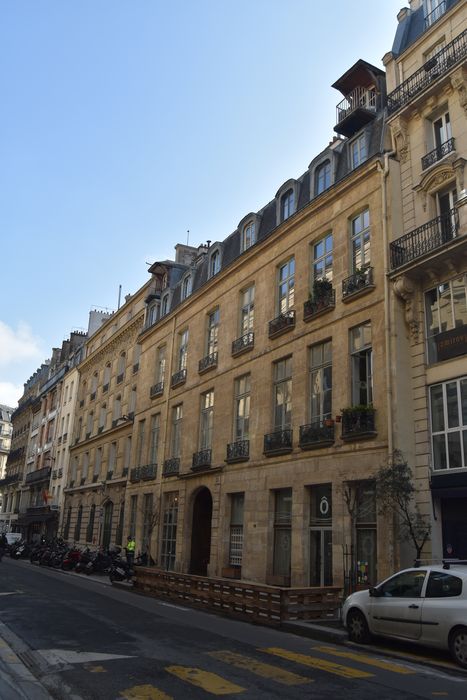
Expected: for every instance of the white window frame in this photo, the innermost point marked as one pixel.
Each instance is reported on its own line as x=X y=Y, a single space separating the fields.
x=248 y=235
x=358 y=151
x=450 y=432
x=286 y=286
x=324 y=259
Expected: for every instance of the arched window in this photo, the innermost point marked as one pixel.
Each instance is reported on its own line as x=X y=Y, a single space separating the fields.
x=186 y=286
x=90 y=527
x=248 y=235
x=214 y=263
x=287 y=204
x=322 y=177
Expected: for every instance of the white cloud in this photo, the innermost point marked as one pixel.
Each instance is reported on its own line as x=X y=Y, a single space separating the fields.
x=10 y=393
x=17 y=344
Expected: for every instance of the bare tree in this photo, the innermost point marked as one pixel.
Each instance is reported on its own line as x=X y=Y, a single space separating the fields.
x=396 y=494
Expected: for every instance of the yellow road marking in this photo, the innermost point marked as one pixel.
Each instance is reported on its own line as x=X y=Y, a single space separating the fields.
x=259 y=668
x=364 y=659
x=144 y=692
x=210 y=682
x=95 y=669
x=440 y=692
x=321 y=664
x=419 y=657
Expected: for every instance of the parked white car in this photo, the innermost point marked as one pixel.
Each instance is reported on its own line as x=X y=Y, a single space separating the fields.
x=426 y=605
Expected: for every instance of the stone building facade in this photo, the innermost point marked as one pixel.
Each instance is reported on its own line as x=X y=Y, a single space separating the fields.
x=427 y=109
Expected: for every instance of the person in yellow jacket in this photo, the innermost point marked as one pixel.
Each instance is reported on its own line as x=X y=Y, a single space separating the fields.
x=130 y=551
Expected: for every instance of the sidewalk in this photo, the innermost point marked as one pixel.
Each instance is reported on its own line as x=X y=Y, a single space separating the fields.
x=16 y=681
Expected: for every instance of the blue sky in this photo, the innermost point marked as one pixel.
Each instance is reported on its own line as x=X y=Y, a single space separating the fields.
x=125 y=123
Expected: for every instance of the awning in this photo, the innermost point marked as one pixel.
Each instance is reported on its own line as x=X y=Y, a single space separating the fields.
x=449 y=485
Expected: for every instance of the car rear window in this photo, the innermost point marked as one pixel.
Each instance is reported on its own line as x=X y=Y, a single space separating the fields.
x=442 y=585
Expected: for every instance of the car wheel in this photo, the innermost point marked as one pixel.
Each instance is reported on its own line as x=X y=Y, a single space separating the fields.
x=357 y=627
x=458 y=645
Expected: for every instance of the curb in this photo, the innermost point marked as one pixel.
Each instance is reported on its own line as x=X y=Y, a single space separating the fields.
x=323 y=633
x=16 y=680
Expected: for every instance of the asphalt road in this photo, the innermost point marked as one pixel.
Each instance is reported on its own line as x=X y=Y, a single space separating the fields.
x=85 y=640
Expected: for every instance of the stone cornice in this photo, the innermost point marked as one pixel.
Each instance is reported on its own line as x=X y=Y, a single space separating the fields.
x=118 y=340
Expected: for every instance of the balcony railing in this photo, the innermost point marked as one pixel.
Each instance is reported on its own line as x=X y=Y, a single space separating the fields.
x=424 y=239
x=38 y=475
x=119 y=378
x=278 y=442
x=435 y=67
x=207 y=363
x=201 y=459
x=319 y=305
x=178 y=378
x=437 y=153
x=171 y=466
x=105 y=388
x=358 y=422
x=238 y=451
x=156 y=390
x=359 y=281
x=315 y=435
x=10 y=479
x=283 y=323
x=144 y=473
x=244 y=343
x=435 y=14
x=356 y=109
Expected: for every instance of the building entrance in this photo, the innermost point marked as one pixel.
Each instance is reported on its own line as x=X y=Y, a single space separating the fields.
x=454 y=528
x=201 y=533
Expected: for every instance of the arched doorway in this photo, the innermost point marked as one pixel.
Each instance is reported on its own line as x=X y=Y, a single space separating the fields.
x=201 y=533
x=107 y=529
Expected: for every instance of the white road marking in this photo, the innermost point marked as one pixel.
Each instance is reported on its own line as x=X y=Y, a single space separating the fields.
x=54 y=657
x=9 y=593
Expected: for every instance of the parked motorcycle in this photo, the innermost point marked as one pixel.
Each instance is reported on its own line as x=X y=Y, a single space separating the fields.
x=120 y=571
x=20 y=550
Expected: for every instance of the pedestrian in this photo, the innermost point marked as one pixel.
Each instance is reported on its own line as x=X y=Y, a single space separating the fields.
x=130 y=551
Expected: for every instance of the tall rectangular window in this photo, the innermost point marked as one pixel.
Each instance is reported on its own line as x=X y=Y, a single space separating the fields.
x=112 y=457
x=286 y=286
x=361 y=357
x=322 y=259
x=366 y=533
x=320 y=382
x=283 y=394
x=133 y=514
x=242 y=408
x=160 y=365
x=127 y=456
x=248 y=235
x=169 y=531
x=85 y=469
x=321 y=535
x=206 y=420
x=148 y=524
x=176 y=440
x=358 y=151
x=154 y=439
x=445 y=310
x=282 y=532
x=140 y=443
x=247 y=312
x=360 y=240
x=98 y=462
x=448 y=409
x=212 y=332
x=236 y=529
x=182 y=349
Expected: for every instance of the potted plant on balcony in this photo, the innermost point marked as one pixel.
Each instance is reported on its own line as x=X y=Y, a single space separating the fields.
x=358 y=418
x=322 y=294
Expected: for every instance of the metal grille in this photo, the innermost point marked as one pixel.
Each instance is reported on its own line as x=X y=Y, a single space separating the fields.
x=236 y=545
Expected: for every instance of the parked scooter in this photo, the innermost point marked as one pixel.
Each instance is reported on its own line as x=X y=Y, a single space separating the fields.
x=120 y=571
x=20 y=550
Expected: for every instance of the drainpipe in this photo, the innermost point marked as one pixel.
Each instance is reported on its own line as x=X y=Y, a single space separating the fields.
x=384 y=170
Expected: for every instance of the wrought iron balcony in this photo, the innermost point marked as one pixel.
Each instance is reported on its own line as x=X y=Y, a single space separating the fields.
x=356 y=109
x=238 y=451
x=178 y=378
x=38 y=475
x=201 y=459
x=317 y=434
x=156 y=390
x=244 y=343
x=10 y=479
x=437 y=66
x=207 y=363
x=358 y=282
x=109 y=475
x=278 y=442
x=358 y=422
x=171 y=466
x=105 y=388
x=119 y=378
x=319 y=305
x=424 y=239
x=135 y=367
x=437 y=153
x=283 y=323
x=435 y=14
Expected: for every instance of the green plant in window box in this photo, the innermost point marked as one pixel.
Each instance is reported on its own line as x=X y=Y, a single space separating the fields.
x=322 y=289
x=366 y=409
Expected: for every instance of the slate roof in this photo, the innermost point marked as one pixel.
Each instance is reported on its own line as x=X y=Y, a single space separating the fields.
x=413 y=26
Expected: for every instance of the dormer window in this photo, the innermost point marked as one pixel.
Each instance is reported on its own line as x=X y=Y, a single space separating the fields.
x=165 y=305
x=322 y=177
x=358 y=151
x=287 y=204
x=186 y=286
x=433 y=9
x=248 y=235
x=214 y=263
x=152 y=313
